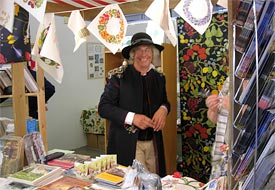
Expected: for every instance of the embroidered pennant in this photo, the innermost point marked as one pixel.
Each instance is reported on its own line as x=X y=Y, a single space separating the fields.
x=46 y=48
x=163 y=18
x=36 y=8
x=7 y=14
x=78 y=26
x=109 y=27
x=198 y=13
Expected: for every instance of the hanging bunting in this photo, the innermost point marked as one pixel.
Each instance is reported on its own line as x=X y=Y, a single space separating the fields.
x=197 y=13
x=223 y=3
x=46 y=49
x=163 y=18
x=36 y=8
x=109 y=27
x=7 y=14
x=78 y=26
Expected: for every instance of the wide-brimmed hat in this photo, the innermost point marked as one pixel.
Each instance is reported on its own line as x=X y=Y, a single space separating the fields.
x=138 y=39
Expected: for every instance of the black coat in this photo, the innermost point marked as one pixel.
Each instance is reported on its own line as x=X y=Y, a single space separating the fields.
x=124 y=93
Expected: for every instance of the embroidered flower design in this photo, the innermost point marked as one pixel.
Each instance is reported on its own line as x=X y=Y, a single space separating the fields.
x=11 y=39
x=41 y=40
x=102 y=27
x=2 y=58
x=34 y=3
x=196 y=21
x=177 y=175
x=16 y=9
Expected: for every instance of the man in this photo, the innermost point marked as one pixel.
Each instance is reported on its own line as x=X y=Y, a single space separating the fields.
x=135 y=102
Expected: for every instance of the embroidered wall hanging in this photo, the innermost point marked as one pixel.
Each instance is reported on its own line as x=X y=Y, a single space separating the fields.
x=36 y=8
x=46 y=48
x=77 y=25
x=109 y=27
x=202 y=65
x=7 y=15
x=197 y=13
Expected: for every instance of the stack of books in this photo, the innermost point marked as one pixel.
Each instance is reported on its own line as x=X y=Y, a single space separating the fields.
x=37 y=175
x=67 y=161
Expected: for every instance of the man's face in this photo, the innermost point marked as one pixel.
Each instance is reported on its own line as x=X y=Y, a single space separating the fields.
x=143 y=56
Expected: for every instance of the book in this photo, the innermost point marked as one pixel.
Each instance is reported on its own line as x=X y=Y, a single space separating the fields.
x=5 y=79
x=263 y=165
x=75 y=158
x=37 y=174
x=105 y=177
x=32 y=126
x=66 y=182
x=12 y=154
x=11 y=185
x=64 y=164
x=61 y=150
x=263 y=32
x=31 y=84
x=4 y=122
x=34 y=148
x=257 y=143
x=67 y=160
x=247 y=30
x=114 y=176
x=243 y=11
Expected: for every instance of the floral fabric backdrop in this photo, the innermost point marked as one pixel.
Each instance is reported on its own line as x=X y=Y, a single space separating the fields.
x=16 y=47
x=91 y=122
x=202 y=65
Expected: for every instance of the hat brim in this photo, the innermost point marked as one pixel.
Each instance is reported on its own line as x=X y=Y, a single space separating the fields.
x=126 y=51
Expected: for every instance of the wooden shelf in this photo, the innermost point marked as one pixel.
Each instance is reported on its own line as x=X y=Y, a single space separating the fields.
x=20 y=102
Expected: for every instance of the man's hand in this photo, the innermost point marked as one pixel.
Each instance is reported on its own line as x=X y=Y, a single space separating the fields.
x=142 y=121
x=159 y=118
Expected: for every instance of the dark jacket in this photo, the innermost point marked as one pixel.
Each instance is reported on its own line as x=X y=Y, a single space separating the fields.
x=123 y=93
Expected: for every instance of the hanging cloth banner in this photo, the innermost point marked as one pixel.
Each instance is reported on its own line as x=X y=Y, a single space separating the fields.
x=109 y=27
x=78 y=26
x=36 y=8
x=198 y=13
x=46 y=49
x=163 y=18
x=7 y=14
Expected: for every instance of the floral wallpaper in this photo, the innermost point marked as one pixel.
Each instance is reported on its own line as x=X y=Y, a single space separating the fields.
x=203 y=66
x=16 y=47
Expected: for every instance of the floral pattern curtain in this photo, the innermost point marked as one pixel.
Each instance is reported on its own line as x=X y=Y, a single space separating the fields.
x=203 y=66
x=16 y=47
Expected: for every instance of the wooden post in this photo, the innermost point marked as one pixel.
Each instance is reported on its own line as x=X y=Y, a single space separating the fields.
x=41 y=105
x=19 y=99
